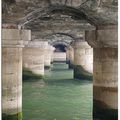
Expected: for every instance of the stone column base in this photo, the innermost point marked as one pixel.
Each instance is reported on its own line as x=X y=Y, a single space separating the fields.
x=30 y=75
x=17 y=116
x=81 y=73
x=100 y=111
x=12 y=43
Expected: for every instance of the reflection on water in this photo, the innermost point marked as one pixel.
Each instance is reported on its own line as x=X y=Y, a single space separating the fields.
x=58 y=96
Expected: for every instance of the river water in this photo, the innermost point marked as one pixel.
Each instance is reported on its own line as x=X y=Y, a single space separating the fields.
x=58 y=96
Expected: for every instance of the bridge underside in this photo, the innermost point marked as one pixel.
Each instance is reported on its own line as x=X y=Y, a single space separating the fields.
x=82 y=33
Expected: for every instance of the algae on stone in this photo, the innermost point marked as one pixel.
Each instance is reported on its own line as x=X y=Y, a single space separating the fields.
x=29 y=75
x=17 y=116
x=81 y=73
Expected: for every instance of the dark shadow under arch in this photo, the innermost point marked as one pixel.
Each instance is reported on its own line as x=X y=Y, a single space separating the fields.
x=60 y=47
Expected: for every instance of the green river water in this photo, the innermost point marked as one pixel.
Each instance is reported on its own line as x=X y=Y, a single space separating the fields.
x=58 y=96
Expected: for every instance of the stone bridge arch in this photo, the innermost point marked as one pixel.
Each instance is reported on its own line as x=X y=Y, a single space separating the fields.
x=47 y=11
x=94 y=15
x=60 y=38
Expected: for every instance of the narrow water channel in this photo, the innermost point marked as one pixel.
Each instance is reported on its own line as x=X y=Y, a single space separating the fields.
x=58 y=96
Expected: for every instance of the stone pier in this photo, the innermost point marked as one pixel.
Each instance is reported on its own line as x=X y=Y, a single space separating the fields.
x=48 y=52
x=12 y=43
x=33 y=57
x=67 y=55
x=105 y=62
x=71 y=57
x=83 y=60
x=52 y=54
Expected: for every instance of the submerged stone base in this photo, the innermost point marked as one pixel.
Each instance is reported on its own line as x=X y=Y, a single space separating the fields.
x=81 y=73
x=29 y=75
x=17 y=116
x=102 y=112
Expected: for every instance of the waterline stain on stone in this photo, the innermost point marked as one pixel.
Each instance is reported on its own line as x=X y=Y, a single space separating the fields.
x=29 y=75
x=81 y=73
x=101 y=113
x=17 y=116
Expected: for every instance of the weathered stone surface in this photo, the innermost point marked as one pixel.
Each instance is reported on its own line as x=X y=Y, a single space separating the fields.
x=81 y=73
x=105 y=77
x=10 y=26
x=104 y=40
x=11 y=72
x=15 y=37
x=59 y=38
x=48 y=56
x=33 y=59
x=83 y=60
x=37 y=44
x=34 y=56
x=26 y=36
x=11 y=80
x=96 y=12
x=64 y=15
x=57 y=34
x=104 y=36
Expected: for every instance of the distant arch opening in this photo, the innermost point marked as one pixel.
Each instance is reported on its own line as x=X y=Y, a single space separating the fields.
x=60 y=48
